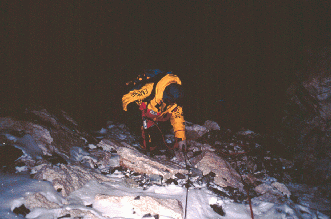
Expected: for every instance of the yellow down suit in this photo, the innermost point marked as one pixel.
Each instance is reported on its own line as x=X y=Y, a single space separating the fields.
x=156 y=109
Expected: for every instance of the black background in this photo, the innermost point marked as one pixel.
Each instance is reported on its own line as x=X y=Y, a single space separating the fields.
x=77 y=55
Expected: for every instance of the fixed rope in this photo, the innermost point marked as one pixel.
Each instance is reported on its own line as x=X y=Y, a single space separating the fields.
x=247 y=192
x=187 y=185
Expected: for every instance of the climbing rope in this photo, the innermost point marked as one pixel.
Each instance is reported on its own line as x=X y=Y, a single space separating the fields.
x=247 y=191
x=187 y=185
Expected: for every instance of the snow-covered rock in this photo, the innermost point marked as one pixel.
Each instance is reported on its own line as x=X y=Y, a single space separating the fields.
x=107 y=145
x=282 y=188
x=225 y=175
x=29 y=146
x=67 y=178
x=81 y=212
x=138 y=206
x=38 y=200
x=78 y=154
x=211 y=125
x=195 y=131
x=246 y=132
x=41 y=135
x=275 y=193
x=52 y=134
x=131 y=179
x=263 y=188
x=106 y=161
x=140 y=163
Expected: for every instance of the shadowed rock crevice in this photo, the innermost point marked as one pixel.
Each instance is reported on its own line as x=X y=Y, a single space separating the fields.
x=306 y=124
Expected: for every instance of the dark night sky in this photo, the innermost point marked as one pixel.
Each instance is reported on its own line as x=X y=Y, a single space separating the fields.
x=77 y=55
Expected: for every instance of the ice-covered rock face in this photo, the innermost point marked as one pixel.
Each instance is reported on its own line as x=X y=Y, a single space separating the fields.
x=29 y=146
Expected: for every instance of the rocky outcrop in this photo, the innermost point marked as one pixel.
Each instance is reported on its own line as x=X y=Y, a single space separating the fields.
x=216 y=159
x=307 y=118
x=15 y=130
x=52 y=133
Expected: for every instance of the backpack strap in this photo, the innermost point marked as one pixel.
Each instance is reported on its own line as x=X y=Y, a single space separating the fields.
x=155 y=80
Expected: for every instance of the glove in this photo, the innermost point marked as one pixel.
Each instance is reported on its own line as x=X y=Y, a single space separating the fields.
x=182 y=145
x=180 y=149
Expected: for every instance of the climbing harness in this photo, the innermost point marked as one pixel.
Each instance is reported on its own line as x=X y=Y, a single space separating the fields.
x=144 y=128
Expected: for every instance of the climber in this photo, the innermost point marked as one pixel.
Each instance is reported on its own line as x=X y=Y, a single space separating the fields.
x=159 y=100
